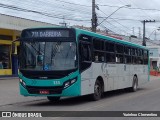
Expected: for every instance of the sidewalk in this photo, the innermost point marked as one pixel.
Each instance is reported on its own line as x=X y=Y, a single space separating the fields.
x=8 y=77
x=154 y=77
x=10 y=92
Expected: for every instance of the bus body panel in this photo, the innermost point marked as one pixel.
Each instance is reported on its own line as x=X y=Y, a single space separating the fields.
x=115 y=76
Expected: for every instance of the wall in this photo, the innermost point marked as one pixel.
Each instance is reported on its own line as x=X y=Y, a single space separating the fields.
x=154 y=52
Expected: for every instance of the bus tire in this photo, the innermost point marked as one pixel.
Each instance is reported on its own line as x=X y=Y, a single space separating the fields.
x=53 y=98
x=134 y=84
x=98 y=91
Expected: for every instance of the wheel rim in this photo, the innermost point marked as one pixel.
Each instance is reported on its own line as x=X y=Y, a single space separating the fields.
x=135 y=83
x=97 y=90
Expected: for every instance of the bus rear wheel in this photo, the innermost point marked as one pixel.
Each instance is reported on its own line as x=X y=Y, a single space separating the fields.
x=98 y=91
x=53 y=98
x=134 y=85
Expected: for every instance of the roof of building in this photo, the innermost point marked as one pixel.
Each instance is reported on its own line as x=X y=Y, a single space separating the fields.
x=17 y=23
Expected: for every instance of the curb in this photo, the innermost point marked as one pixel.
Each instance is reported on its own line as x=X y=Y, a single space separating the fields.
x=8 y=78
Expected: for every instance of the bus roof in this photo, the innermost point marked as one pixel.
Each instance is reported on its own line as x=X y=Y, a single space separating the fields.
x=89 y=33
x=109 y=38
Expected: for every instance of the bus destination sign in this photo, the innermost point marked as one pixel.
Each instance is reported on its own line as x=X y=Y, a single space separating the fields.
x=46 y=33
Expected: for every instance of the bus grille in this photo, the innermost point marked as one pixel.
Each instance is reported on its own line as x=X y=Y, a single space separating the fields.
x=52 y=90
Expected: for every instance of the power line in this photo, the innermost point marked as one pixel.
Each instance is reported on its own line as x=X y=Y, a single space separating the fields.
x=73 y=3
x=143 y=11
x=37 y=12
x=50 y=6
x=114 y=20
x=151 y=9
x=121 y=19
x=114 y=26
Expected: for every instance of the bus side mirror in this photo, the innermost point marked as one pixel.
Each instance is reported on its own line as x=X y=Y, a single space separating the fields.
x=14 y=46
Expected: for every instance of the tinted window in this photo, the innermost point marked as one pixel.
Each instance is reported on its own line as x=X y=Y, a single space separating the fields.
x=127 y=59
x=109 y=46
x=119 y=58
x=119 y=48
x=110 y=57
x=85 y=52
x=98 y=44
x=99 y=56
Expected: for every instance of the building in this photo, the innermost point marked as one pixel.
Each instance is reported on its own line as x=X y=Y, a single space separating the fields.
x=10 y=29
x=154 y=53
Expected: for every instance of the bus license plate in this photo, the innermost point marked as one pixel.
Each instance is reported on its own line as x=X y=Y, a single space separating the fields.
x=44 y=91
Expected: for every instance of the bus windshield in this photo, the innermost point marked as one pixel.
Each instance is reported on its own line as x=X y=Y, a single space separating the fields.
x=48 y=56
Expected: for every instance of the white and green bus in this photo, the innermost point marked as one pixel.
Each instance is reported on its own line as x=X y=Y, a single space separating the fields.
x=58 y=62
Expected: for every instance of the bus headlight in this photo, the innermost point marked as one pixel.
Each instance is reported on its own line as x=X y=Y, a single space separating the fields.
x=69 y=83
x=22 y=82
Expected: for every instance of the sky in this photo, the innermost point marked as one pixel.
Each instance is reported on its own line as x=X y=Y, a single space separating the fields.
x=126 y=20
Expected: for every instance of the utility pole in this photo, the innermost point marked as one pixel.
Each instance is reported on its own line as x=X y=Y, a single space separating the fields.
x=63 y=23
x=144 y=31
x=94 y=17
x=139 y=32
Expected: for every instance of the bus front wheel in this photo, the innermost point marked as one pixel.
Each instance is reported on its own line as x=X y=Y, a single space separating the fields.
x=53 y=99
x=98 y=89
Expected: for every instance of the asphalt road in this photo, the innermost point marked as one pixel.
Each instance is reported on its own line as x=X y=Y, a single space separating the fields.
x=147 y=98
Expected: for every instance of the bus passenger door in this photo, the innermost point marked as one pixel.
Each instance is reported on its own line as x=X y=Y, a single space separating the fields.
x=85 y=67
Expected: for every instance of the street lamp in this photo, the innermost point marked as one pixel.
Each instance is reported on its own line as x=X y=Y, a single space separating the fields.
x=113 y=13
x=155 y=32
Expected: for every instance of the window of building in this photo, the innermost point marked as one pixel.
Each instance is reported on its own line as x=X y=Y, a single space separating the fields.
x=151 y=53
x=5 y=56
x=5 y=37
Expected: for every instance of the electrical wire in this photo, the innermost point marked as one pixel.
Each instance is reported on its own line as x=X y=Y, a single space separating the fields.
x=37 y=12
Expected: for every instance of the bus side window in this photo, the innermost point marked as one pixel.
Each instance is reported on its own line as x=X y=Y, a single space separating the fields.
x=85 y=52
x=85 y=56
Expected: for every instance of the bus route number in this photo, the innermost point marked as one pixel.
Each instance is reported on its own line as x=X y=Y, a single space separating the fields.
x=56 y=82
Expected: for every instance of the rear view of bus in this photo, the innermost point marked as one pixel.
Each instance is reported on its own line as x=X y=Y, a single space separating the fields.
x=48 y=63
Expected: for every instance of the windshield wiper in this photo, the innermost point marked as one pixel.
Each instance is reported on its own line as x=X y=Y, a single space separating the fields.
x=55 y=50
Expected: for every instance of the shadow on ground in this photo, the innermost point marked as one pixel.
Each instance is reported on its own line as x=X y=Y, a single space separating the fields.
x=81 y=100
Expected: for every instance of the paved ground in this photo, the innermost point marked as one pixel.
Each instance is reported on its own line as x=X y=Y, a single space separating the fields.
x=147 y=98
